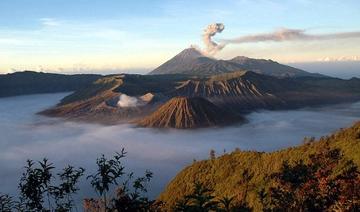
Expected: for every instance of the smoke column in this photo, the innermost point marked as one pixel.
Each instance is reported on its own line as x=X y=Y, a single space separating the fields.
x=211 y=46
x=127 y=101
x=280 y=35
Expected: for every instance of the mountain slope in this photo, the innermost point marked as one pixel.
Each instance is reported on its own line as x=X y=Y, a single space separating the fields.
x=188 y=113
x=30 y=82
x=243 y=174
x=191 y=61
x=234 y=91
x=269 y=67
x=99 y=103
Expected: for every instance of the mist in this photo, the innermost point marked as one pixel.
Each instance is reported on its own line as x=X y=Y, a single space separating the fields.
x=25 y=135
x=340 y=69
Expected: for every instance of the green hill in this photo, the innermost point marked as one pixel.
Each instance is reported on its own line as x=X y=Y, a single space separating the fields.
x=243 y=174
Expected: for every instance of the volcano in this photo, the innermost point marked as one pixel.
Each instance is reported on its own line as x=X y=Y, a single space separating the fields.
x=188 y=113
x=192 y=62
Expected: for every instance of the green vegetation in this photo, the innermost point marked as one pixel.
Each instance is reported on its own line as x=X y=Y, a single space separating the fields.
x=243 y=175
x=326 y=183
x=40 y=190
x=201 y=199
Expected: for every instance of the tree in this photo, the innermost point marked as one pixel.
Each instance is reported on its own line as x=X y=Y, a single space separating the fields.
x=131 y=198
x=6 y=203
x=34 y=185
x=108 y=173
x=212 y=154
x=38 y=191
x=69 y=178
x=326 y=183
x=201 y=199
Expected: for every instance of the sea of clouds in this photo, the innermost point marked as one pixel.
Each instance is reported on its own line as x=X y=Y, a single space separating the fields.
x=25 y=135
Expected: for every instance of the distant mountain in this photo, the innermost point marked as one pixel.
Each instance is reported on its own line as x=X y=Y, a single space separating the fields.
x=30 y=82
x=236 y=92
x=188 y=113
x=269 y=67
x=192 y=61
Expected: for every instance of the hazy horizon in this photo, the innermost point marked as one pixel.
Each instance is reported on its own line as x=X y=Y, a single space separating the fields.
x=339 y=69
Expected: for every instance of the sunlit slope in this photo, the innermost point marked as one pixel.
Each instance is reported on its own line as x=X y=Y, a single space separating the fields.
x=188 y=113
x=226 y=174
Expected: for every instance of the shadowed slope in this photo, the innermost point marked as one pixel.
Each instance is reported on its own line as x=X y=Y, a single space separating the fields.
x=187 y=113
x=30 y=82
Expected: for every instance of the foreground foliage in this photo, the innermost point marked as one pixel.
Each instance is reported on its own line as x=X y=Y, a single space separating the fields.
x=319 y=185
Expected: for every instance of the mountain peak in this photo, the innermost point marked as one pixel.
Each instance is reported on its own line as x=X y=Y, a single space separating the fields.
x=240 y=58
x=188 y=113
x=190 y=53
x=192 y=61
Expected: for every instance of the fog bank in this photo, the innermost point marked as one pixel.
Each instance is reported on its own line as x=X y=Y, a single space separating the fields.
x=25 y=135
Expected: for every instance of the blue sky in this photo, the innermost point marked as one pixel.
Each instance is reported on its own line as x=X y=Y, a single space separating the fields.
x=83 y=35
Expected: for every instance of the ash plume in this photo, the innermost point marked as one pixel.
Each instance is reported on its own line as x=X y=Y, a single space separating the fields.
x=211 y=46
x=280 y=35
x=285 y=34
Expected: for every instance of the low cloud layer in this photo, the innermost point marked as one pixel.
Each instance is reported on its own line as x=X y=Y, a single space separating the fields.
x=25 y=135
x=280 y=35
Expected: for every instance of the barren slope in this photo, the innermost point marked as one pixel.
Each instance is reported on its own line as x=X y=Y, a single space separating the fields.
x=183 y=112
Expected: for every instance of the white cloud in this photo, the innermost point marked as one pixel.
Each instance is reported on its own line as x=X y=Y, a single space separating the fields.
x=49 y=22
x=342 y=58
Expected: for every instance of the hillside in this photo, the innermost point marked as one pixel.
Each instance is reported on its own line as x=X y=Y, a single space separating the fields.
x=243 y=174
x=191 y=61
x=100 y=103
x=270 y=67
x=246 y=91
x=236 y=92
x=29 y=82
x=188 y=113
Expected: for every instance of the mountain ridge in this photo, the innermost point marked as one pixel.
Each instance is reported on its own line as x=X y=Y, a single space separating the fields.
x=236 y=92
x=191 y=61
x=31 y=82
